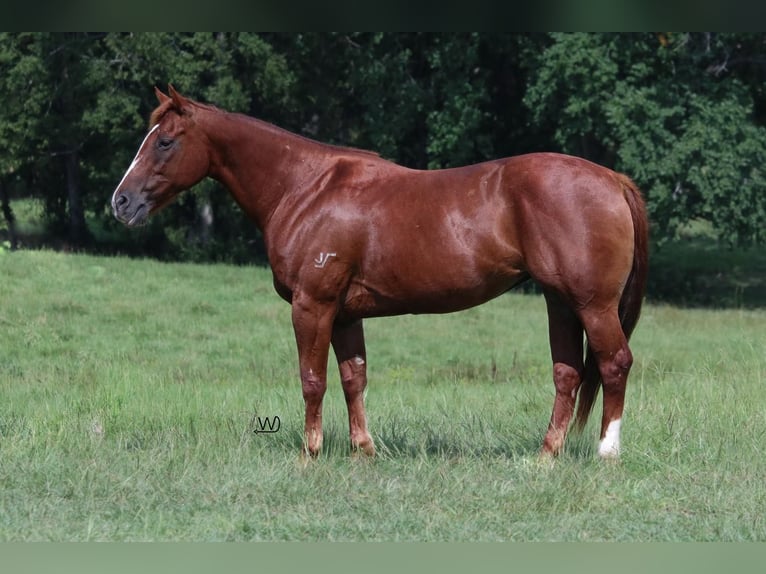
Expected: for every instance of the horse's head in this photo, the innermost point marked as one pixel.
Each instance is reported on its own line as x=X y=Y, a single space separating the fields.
x=173 y=157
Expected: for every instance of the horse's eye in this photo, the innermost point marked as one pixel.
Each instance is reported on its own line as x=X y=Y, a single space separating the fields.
x=164 y=143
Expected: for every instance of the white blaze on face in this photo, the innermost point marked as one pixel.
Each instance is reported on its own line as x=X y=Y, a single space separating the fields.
x=609 y=446
x=134 y=163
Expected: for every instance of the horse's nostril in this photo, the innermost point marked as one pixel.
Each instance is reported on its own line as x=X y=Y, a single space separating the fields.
x=122 y=200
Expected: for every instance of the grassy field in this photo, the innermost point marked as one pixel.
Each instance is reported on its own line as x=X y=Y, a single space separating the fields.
x=131 y=389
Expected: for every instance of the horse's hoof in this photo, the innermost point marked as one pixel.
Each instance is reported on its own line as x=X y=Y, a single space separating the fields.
x=546 y=458
x=363 y=450
x=309 y=453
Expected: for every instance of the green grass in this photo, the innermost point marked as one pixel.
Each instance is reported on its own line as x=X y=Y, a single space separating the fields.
x=129 y=390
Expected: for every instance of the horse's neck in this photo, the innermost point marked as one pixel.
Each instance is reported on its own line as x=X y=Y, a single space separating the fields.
x=260 y=164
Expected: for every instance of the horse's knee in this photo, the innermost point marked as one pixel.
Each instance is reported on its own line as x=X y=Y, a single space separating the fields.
x=314 y=387
x=566 y=379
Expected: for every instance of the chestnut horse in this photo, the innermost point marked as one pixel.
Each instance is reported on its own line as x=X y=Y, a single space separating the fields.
x=350 y=235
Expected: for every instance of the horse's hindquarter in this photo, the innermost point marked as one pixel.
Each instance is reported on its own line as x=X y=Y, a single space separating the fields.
x=575 y=226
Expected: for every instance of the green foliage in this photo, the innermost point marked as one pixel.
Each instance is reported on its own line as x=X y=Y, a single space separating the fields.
x=683 y=114
x=658 y=108
x=22 y=69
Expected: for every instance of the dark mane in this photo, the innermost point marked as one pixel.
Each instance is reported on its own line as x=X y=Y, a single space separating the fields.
x=333 y=147
x=160 y=111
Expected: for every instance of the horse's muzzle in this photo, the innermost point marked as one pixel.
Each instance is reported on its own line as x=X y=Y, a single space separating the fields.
x=130 y=209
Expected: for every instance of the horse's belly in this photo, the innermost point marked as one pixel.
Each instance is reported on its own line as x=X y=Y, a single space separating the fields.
x=439 y=293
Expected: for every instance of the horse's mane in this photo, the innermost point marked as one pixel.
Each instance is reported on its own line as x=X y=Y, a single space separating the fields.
x=160 y=111
x=168 y=105
x=333 y=147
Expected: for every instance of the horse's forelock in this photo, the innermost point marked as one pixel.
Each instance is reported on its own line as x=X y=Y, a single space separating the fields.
x=159 y=112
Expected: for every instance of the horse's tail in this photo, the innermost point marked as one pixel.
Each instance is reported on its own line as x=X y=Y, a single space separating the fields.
x=632 y=295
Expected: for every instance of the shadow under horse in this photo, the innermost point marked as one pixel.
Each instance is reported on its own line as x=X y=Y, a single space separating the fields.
x=350 y=235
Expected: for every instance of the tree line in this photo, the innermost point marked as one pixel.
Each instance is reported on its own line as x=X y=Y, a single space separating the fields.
x=683 y=114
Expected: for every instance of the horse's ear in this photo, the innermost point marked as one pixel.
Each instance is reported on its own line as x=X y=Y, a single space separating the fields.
x=179 y=102
x=162 y=98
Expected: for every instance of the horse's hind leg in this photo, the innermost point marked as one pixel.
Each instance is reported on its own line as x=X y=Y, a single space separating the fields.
x=566 y=339
x=607 y=341
x=348 y=343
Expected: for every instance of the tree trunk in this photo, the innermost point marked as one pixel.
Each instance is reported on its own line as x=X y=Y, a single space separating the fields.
x=10 y=219
x=205 y=219
x=78 y=231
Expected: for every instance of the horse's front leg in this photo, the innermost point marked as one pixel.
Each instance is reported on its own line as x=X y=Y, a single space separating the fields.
x=348 y=343
x=312 y=323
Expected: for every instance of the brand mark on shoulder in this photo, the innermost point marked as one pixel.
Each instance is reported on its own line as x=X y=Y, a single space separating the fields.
x=322 y=260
